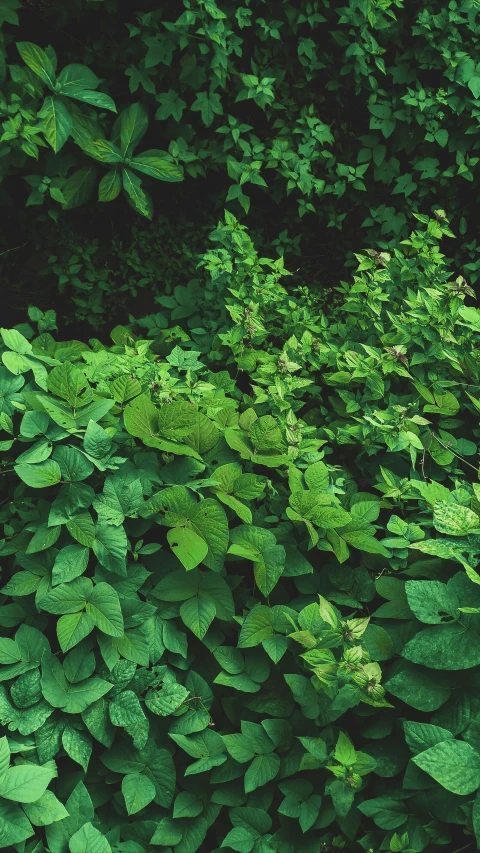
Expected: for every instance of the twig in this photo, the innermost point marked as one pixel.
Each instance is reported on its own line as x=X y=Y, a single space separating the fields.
x=13 y=249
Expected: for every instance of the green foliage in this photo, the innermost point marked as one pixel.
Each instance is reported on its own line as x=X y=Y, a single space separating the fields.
x=309 y=119
x=247 y=617
x=238 y=89
x=240 y=539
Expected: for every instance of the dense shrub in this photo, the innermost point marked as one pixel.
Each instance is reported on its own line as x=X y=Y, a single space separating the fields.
x=240 y=605
x=327 y=124
x=240 y=529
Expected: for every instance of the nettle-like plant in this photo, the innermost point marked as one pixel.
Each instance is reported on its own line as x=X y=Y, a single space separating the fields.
x=146 y=586
x=258 y=604
x=260 y=99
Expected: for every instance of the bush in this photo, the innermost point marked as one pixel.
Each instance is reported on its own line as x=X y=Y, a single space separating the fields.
x=328 y=124
x=241 y=607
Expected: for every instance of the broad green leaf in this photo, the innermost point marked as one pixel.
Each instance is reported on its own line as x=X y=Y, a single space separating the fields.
x=139 y=199
x=125 y=711
x=74 y=465
x=96 y=99
x=106 y=152
x=38 y=61
x=138 y=791
x=72 y=698
x=419 y=687
x=188 y=546
x=198 y=613
x=454 y=519
x=24 y=783
x=141 y=417
x=4 y=755
x=432 y=602
x=88 y=839
x=176 y=420
x=257 y=627
x=46 y=810
x=103 y=607
x=82 y=528
x=133 y=124
x=96 y=441
x=263 y=769
x=77 y=75
x=110 y=547
x=260 y=546
x=15 y=826
x=110 y=186
x=157 y=165
x=78 y=187
x=68 y=597
x=41 y=475
x=167 y=700
x=57 y=122
x=421 y=736
x=70 y=563
x=454 y=764
x=444 y=647
x=70 y=383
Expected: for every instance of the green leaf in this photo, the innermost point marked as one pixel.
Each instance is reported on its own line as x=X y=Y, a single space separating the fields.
x=96 y=99
x=157 y=165
x=176 y=420
x=257 y=627
x=431 y=601
x=421 y=736
x=78 y=188
x=444 y=647
x=46 y=810
x=133 y=124
x=125 y=711
x=259 y=545
x=420 y=688
x=15 y=827
x=77 y=75
x=455 y=765
x=72 y=698
x=74 y=465
x=24 y=783
x=39 y=476
x=103 y=607
x=139 y=199
x=138 y=791
x=209 y=105
x=82 y=528
x=57 y=122
x=72 y=629
x=454 y=519
x=263 y=769
x=106 y=151
x=198 y=614
x=68 y=597
x=38 y=60
x=110 y=547
x=167 y=700
x=387 y=812
x=187 y=804
x=89 y=840
x=141 y=417
x=188 y=546
x=70 y=563
x=110 y=186
x=474 y=86
x=69 y=383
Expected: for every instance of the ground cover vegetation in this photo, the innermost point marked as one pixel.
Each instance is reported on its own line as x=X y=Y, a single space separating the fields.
x=239 y=427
